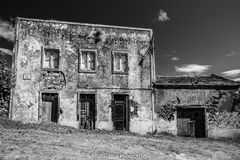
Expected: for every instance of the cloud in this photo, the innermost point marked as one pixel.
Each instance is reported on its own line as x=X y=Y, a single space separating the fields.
x=237 y=79
x=175 y=59
x=172 y=56
x=231 y=73
x=233 y=53
x=168 y=55
x=6 y=30
x=6 y=51
x=192 y=68
x=162 y=16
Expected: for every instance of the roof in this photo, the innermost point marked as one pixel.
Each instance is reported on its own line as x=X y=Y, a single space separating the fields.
x=84 y=24
x=194 y=82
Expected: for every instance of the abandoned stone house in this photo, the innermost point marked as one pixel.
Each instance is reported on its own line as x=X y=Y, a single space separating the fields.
x=83 y=75
x=103 y=77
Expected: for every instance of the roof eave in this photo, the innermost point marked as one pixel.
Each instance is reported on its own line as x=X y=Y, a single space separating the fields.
x=172 y=86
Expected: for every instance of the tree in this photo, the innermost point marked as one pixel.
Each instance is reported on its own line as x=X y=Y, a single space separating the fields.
x=5 y=88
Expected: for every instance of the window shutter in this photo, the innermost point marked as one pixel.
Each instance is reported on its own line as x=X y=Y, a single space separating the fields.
x=91 y=60
x=117 y=62
x=47 y=59
x=84 y=60
x=123 y=63
x=55 y=56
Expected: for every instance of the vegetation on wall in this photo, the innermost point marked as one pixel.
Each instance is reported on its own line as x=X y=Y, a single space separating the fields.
x=236 y=102
x=134 y=108
x=218 y=116
x=167 y=110
x=214 y=101
x=223 y=109
x=5 y=88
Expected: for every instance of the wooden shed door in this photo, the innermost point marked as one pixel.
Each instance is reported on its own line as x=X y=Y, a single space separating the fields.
x=120 y=112
x=191 y=122
x=49 y=109
x=86 y=111
x=183 y=127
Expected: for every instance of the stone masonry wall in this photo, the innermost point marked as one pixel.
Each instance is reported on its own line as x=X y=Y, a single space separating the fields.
x=33 y=36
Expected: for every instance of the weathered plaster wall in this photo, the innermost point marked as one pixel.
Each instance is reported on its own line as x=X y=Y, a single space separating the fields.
x=34 y=36
x=141 y=112
x=220 y=113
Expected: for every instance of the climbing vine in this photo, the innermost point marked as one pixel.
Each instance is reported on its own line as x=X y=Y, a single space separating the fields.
x=167 y=110
x=218 y=117
x=134 y=111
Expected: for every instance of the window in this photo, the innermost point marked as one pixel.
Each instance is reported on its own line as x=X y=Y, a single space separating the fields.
x=88 y=60
x=120 y=62
x=50 y=59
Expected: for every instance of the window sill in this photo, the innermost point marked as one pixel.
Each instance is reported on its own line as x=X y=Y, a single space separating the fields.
x=50 y=69
x=87 y=71
x=120 y=72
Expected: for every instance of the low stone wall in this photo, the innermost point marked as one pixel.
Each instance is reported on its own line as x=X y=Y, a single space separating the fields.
x=224 y=133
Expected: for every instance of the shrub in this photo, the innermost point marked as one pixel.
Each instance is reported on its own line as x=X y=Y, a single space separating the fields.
x=5 y=88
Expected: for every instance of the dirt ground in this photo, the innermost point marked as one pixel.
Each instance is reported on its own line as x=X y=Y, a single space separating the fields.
x=55 y=142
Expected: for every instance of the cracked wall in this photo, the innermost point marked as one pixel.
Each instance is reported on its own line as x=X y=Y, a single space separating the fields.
x=31 y=80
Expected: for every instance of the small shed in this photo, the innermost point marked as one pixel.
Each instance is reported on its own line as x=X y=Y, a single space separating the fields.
x=197 y=106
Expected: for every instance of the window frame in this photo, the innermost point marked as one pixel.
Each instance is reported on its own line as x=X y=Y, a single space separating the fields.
x=43 y=58
x=113 y=62
x=80 y=69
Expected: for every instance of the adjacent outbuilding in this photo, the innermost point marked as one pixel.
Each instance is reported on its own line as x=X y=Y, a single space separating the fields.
x=197 y=106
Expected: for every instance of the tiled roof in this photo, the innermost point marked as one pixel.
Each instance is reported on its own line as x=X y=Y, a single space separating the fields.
x=210 y=80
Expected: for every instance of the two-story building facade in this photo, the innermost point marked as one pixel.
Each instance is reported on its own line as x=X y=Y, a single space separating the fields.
x=83 y=75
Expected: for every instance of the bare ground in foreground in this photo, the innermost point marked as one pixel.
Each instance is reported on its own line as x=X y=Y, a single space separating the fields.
x=52 y=141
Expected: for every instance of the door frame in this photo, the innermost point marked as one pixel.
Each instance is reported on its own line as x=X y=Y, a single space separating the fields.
x=79 y=104
x=40 y=101
x=195 y=107
x=126 y=94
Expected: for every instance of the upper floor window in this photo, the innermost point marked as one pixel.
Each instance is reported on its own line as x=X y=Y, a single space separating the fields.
x=87 y=60
x=50 y=59
x=120 y=62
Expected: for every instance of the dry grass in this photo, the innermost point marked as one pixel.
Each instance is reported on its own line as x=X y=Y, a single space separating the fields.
x=52 y=141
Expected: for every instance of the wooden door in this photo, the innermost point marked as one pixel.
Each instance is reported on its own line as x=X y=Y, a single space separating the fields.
x=183 y=127
x=121 y=112
x=87 y=111
x=191 y=122
x=46 y=111
x=199 y=119
x=49 y=110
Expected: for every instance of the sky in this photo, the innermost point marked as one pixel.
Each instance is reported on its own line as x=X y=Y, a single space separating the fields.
x=191 y=37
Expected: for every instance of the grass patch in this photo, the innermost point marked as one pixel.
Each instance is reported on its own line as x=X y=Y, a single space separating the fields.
x=51 y=127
